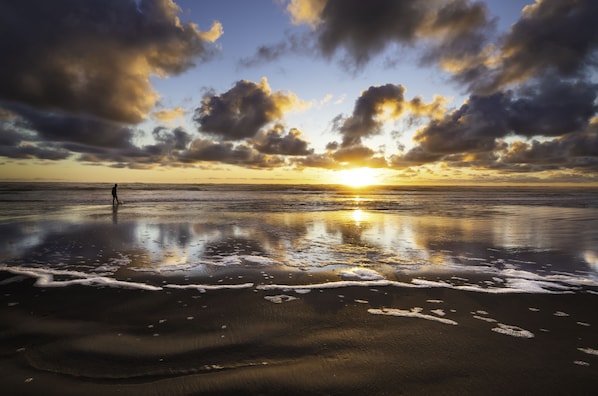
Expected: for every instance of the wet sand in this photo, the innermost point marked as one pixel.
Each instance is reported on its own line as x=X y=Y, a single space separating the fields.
x=101 y=340
x=212 y=291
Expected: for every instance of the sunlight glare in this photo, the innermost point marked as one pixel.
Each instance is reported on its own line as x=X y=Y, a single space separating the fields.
x=358 y=177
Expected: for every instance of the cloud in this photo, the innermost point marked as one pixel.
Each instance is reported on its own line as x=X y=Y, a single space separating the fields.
x=297 y=44
x=30 y=151
x=28 y=133
x=305 y=11
x=95 y=57
x=168 y=115
x=414 y=157
x=353 y=154
x=362 y=29
x=60 y=129
x=229 y=153
x=177 y=139
x=544 y=124
x=273 y=141
x=169 y=146
x=545 y=107
x=324 y=161
x=573 y=151
x=556 y=37
x=378 y=104
x=553 y=107
x=240 y=112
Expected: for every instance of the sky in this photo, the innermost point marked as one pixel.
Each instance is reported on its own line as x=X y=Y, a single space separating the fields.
x=299 y=91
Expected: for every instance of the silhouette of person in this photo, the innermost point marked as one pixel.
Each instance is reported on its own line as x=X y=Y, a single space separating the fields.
x=114 y=195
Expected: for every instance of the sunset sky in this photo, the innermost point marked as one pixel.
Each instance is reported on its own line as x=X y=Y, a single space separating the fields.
x=299 y=91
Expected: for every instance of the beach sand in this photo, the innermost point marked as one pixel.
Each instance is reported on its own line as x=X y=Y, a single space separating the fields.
x=336 y=341
x=301 y=292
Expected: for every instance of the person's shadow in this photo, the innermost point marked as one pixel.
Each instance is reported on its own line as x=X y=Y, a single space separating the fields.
x=115 y=214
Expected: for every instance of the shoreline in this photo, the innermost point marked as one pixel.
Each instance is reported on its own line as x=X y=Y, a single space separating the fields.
x=100 y=340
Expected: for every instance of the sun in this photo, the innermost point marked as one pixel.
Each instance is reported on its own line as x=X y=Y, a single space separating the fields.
x=357 y=177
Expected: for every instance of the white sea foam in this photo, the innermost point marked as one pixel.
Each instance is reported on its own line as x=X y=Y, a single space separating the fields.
x=512 y=280
x=561 y=314
x=485 y=319
x=259 y=260
x=429 y=283
x=336 y=285
x=589 y=351
x=513 y=331
x=361 y=273
x=45 y=278
x=204 y=287
x=279 y=299
x=413 y=313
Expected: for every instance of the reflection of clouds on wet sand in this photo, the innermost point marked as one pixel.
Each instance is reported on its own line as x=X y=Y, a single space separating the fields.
x=498 y=243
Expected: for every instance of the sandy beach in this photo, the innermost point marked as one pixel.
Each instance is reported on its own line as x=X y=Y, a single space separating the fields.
x=346 y=340
x=301 y=291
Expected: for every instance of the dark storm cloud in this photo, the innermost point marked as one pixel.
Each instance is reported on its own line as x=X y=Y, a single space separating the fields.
x=29 y=133
x=9 y=137
x=169 y=147
x=240 y=112
x=343 y=158
x=30 y=151
x=178 y=139
x=362 y=29
x=414 y=157
x=559 y=37
x=375 y=106
x=44 y=135
x=575 y=151
x=365 y=28
x=546 y=107
x=274 y=141
x=353 y=154
x=578 y=150
x=229 y=153
x=84 y=130
x=324 y=161
x=95 y=56
x=364 y=121
x=552 y=107
x=473 y=127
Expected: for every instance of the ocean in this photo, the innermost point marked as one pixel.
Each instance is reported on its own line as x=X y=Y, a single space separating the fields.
x=298 y=289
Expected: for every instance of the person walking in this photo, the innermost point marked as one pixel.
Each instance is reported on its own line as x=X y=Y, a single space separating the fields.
x=115 y=195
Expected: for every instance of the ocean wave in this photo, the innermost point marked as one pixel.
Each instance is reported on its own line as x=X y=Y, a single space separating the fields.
x=510 y=282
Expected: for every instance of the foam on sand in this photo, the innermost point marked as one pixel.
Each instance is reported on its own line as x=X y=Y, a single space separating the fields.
x=413 y=313
x=361 y=273
x=338 y=284
x=512 y=331
x=203 y=288
x=589 y=351
x=45 y=278
x=280 y=298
